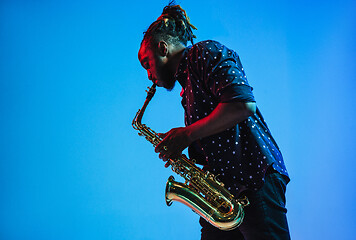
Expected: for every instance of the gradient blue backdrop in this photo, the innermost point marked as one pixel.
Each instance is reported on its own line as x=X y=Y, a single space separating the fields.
x=71 y=165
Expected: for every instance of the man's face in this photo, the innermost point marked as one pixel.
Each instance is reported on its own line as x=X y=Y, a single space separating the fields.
x=155 y=61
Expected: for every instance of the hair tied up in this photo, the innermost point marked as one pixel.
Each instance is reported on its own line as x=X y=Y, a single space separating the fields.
x=173 y=24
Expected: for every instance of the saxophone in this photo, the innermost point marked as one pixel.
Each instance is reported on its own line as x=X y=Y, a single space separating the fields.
x=202 y=192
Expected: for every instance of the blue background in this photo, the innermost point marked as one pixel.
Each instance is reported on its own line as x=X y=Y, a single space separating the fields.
x=71 y=165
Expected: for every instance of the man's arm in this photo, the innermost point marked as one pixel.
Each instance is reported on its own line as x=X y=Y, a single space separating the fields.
x=224 y=116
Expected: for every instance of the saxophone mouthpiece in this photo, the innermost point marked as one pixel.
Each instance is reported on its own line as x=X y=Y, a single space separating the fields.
x=151 y=91
x=152 y=88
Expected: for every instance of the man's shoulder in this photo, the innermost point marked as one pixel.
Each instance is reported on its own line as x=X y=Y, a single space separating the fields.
x=208 y=44
x=211 y=47
x=206 y=48
x=211 y=50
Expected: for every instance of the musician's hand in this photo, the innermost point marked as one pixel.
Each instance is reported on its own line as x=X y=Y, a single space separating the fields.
x=173 y=143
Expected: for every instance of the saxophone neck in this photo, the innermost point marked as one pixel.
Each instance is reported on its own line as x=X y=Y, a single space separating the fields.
x=150 y=93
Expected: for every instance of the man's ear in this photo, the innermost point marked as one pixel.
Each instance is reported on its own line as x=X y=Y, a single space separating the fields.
x=163 y=48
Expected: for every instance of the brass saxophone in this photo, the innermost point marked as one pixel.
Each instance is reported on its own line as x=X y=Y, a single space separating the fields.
x=202 y=192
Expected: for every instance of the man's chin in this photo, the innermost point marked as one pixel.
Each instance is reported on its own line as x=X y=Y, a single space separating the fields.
x=168 y=86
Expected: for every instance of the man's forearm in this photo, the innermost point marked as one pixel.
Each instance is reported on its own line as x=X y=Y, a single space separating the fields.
x=224 y=116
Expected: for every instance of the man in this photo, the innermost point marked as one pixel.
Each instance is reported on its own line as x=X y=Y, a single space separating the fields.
x=224 y=130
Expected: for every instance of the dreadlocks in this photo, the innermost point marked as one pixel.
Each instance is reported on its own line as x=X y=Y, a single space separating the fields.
x=173 y=25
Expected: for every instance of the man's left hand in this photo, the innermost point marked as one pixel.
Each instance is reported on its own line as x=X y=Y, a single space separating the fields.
x=173 y=143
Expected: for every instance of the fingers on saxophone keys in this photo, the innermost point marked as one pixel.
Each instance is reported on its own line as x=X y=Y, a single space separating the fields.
x=158 y=148
x=161 y=147
x=163 y=156
x=168 y=163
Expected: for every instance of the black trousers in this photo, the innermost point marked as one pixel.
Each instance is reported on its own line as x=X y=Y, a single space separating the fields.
x=265 y=217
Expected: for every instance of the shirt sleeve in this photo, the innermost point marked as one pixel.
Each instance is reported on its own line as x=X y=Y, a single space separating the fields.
x=225 y=76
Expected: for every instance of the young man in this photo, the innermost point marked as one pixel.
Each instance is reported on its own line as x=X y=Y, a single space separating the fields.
x=225 y=131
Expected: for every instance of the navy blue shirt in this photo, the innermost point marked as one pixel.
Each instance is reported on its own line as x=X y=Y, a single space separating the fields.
x=211 y=73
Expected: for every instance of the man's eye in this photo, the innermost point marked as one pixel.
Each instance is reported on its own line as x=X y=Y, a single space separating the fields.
x=146 y=66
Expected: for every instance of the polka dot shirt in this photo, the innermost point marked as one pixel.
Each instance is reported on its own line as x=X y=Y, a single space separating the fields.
x=211 y=73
